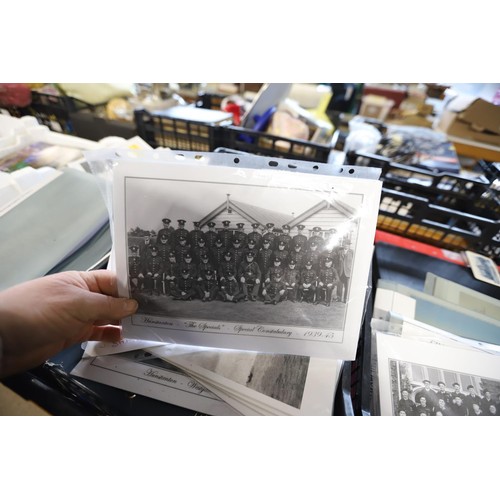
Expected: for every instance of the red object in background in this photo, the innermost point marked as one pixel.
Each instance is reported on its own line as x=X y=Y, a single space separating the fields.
x=235 y=109
x=419 y=247
x=15 y=95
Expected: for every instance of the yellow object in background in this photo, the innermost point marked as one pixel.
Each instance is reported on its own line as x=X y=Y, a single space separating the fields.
x=314 y=98
x=97 y=93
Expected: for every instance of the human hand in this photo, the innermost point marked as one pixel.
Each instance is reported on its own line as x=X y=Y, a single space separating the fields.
x=44 y=316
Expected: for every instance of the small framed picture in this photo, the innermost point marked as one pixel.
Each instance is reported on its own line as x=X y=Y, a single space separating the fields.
x=483 y=268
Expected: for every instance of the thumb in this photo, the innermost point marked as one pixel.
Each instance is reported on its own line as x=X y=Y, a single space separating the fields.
x=99 y=307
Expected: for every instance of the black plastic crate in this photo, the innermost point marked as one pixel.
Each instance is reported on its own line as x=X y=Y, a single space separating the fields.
x=445 y=210
x=161 y=131
x=54 y=110
x=474 y=196
x=261 y=143
x=419 y=219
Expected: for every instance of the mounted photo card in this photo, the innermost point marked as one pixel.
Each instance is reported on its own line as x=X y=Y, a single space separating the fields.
x=243 y=252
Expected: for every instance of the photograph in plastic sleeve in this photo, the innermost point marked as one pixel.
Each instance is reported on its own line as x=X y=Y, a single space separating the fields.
x=424 y=379
x=143 y=373
x=269 y=384
x=244 y=258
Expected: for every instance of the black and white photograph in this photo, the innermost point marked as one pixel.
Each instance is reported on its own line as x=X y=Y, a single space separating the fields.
x=261 y=383
x=426 y=379
x=421 y=390
x=241 y=254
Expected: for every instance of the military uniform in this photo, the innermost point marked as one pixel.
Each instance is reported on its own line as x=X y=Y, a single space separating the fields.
x=299 y=256
x=153 y=271
x=211 y=235
x=269 y=235
x=281 y=254
x=196 y=235
x=226 y=234
x=285 y=237
x=135 y=269
x=275 y=290
x=264 y=258
x=320 y=242
x=255 y=235
x=180 y=232
x=204 y=266
x=164 y=248
x=181 y=249
x=227 y=266
x=207 y=287
x=217 y=255
x=240 y=234
x=313 y=255
x=189 y=264
x=291 y=279
x=300 y=238
x=199 y=250
x=170 y=274
x=328 y=254
x=328 y=280
x=275 y=269
x=184 y=289
x=230 y=290
x=250 y=275
x=166 y=230
x=237 y=252
x=307 y=287
x=250 y=247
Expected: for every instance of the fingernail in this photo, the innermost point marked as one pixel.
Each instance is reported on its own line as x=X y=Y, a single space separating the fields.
x=130 y=306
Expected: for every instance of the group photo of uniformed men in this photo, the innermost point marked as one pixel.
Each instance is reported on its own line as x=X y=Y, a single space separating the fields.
x=260 y=262
x=440 y=400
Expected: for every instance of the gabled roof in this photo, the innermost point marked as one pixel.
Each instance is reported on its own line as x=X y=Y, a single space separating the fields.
x=250 y=212
x=343 y=208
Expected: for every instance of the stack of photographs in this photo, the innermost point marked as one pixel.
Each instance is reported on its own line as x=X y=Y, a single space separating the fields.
x=252 y=272
x=214 y=381
x=421 y=369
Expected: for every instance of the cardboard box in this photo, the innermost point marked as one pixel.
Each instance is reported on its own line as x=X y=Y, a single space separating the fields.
x=471 y=118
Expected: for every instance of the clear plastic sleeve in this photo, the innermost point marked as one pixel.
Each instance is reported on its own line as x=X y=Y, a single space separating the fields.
x=302 y=292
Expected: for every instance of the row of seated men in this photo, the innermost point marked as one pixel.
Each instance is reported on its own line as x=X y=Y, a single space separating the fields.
x=443 y=402
x=229 y=280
